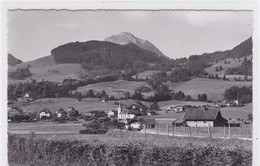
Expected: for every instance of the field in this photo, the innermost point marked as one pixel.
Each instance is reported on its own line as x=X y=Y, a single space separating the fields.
x=54 y=104
x=45 y=68
x=213 y=88
x=116 y=88
x=232 y=64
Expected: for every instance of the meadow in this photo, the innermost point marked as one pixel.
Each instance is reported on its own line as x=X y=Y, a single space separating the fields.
x=116 y=88
x=212 y=87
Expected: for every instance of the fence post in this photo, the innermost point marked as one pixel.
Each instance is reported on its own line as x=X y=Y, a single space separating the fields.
x=196 y=128
x=209 y=132
x=172 y=130
x=145 y=128
x=224 y=131
x=229 y=132
x=167 y=130
x=190 y=132
x=158 y=128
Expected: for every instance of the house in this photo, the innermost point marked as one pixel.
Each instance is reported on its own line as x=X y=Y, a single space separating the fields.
x=149 y=123
x=103 y=100
x=61 y=113
x=133 y=124
x=112 y=114
x=150 y=113
x=45 y=113
x=93 y=124
x=95 y=113
x=124 y=114
x=137 y=107
x=203 y=117
x=178 y=108
x=178 y=122
x=168 y=108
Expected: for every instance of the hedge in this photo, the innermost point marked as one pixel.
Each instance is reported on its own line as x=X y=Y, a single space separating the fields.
x=34 y=151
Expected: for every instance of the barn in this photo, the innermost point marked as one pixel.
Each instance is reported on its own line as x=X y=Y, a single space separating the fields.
x=203 y=117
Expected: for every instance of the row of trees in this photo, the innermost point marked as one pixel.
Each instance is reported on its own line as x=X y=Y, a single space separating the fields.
x=243 y=94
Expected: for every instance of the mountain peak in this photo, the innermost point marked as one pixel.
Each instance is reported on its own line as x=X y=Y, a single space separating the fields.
x=126 y=34
x=126 y=37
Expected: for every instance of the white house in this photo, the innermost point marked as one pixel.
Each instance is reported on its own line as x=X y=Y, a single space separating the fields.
x=45 y=113
x=112 y=114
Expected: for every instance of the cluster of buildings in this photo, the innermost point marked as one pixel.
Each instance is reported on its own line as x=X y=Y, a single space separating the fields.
x=229 y=103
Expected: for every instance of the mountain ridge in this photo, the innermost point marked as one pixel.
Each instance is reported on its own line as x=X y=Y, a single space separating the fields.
x=127 y=37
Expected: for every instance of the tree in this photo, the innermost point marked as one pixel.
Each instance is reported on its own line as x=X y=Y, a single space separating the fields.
x=224 y=77
x=90 y=93
x=220 y=67
x=103 y=93
x=217 y=69
x=216 y=76
x=199 y=97
x=154 y=106
x=204 y=97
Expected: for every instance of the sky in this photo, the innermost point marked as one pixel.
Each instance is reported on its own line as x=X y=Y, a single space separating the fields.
x=34 y=33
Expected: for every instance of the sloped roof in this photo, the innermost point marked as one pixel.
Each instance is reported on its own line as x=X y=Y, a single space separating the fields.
x=92 y=123
x=201 y=113
x=149 y=121
x=46 y=110
x=179 y=120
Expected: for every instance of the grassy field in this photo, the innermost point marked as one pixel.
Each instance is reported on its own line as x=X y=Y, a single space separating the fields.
x=54 y=104
x=232 y=64
x=45 y=68
x=116 y=88
x=213 y=88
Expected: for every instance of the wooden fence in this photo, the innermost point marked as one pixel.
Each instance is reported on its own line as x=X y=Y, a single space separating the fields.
x=200 y=132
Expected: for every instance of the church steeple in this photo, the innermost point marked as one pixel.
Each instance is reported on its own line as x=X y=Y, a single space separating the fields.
x=119 y=109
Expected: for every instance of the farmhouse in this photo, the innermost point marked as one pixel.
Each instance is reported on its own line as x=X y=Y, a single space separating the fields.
x=61 y=113
x=203 y=117
x=112 y=114
x=178 y=108
x=95 y=113
x=178 y=122
x=149 y=123
x=45 y=113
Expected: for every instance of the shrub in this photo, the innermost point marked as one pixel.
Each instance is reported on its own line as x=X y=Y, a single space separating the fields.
x=36 y=151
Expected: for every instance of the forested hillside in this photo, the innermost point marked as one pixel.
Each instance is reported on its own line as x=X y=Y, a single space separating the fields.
x=107 y=54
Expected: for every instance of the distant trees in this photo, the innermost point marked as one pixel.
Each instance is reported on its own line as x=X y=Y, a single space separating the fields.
x=202 y=97
x=154 y=106
x=243 y=94
x=20 y=73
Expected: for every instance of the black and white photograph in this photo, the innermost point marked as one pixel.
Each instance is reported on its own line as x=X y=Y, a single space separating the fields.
x=129 y=86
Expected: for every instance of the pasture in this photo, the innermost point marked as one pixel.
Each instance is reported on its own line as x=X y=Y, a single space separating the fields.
x=233 y=63
x=117 y=89
x=212 y=87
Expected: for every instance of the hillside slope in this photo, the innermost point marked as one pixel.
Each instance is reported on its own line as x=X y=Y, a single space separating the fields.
x=233 y=63
x=116 y=88
x=126 y=38
x=12 y=60
x=45 y=68
x=212 y=87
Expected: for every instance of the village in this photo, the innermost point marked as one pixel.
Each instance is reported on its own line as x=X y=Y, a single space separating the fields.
x=134 y=117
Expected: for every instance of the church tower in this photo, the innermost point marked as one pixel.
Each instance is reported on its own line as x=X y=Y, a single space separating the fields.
x=119 y=109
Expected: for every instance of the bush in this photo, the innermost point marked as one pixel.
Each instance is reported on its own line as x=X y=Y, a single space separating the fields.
x=36 y=151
